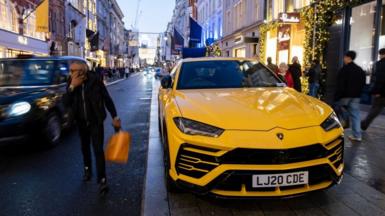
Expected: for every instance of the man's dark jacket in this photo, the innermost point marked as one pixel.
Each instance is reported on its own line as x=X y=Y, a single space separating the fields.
x=379 y=85
x=90 y=107
x=296 y=73
x=350 y=81
x=314 y=73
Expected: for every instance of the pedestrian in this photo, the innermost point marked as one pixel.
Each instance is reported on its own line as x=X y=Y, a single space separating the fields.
x=378 y=92
x=99 y=72
x=271 y=66
x=350 y=85
x=296 y=72
x=88 y=98
x=285 y=74
x=126 y=72
x=314 y=75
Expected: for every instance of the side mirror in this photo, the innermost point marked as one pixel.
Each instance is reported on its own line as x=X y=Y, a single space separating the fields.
x=166 y=82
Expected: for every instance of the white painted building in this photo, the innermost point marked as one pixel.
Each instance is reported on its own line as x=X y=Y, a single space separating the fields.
x=210 y=17
x=241 y=19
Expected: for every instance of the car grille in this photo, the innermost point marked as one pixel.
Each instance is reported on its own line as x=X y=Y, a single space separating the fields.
x=235 y=180
x=198 y=163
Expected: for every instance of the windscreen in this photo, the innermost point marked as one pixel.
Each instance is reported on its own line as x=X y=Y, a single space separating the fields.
x=226 y=74
x=25 y=72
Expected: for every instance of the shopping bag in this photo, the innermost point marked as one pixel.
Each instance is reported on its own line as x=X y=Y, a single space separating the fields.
x=118 y=147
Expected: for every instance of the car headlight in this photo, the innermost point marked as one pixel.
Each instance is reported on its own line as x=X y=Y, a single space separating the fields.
x=18 y=109
x=192 y=127
x=332 y=122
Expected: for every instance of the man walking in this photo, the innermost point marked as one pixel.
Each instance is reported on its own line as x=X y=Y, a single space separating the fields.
x=296 y=72
x=314 y=78
x=378 y=92
x=271 y=66
x=350 y=84
x=88 y=97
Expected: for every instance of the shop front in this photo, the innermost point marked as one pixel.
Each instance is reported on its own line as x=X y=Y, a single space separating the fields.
x=243 y=44
x=285 y=39
x=360 y=28
x=12 y=45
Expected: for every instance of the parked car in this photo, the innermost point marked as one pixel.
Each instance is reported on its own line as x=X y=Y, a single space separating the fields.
x=31 y=98
x=230 y=127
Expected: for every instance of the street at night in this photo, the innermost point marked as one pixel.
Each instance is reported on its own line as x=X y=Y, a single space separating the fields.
x=192 y=108
x=48 y=181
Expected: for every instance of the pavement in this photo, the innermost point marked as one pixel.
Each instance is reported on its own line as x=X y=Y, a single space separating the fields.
x=48 y=182
x=362 y=191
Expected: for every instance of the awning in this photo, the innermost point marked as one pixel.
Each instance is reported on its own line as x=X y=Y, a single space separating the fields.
x=177 y=42
x=195 y=31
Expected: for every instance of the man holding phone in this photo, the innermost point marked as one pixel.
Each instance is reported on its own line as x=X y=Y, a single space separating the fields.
x=88 y=97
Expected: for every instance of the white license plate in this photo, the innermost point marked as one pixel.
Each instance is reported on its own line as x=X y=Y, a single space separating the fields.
x=284 y=179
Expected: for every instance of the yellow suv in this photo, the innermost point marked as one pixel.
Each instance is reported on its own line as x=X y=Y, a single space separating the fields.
x=231 y=128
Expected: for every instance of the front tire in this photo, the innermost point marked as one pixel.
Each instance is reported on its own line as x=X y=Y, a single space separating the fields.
x=52 y=130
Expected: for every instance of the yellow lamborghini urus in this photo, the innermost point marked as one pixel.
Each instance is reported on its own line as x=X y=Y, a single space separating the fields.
x=231 y=128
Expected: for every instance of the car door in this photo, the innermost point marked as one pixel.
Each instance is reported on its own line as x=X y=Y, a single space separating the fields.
x=61 y=77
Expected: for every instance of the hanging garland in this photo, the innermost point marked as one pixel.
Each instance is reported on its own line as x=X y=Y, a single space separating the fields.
x=324 y=19
x=263 y=29
x=213 y=51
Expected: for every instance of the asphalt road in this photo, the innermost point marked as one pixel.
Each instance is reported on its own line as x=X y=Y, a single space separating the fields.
x=49 y=181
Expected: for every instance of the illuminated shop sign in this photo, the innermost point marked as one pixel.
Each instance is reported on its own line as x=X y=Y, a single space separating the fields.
x=22 y=40
x=289 y=17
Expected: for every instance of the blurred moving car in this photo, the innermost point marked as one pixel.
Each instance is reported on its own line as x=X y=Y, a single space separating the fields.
x=231 y=128
x=31 y=98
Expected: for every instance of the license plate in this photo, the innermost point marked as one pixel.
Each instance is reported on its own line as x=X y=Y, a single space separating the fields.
x=284 y=179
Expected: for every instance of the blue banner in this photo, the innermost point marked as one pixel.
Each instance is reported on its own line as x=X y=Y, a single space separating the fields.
x=195 y=31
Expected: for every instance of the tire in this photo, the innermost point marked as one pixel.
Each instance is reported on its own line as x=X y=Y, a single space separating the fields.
x=170 y=183
x=52 y=130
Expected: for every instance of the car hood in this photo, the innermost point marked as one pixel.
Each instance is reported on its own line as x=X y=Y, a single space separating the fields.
x=11 y=95
x=252 y=109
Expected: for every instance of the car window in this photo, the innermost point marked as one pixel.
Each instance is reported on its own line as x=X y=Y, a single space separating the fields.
x=225 y=74
x=26 y=72
x=61 y=72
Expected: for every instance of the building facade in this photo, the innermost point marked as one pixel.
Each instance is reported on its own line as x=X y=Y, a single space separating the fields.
x=116 y=57
x=18 y=35
x=57 y=35
x=180 y=19
x=103 y=28
x=241 y=21
x=75 y=28
x=210 y=17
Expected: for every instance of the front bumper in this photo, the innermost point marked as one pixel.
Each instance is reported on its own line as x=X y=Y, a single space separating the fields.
x=227 y=172
x=19 y=129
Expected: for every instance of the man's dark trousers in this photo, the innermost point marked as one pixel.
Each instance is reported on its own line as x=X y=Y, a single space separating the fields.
x=377 y=107
x=93 y=133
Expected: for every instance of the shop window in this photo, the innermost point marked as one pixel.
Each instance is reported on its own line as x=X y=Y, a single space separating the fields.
x=361 y=34
x=271 y=45
x=382 y=32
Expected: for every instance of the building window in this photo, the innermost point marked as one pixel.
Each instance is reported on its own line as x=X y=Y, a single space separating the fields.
x=361 y=33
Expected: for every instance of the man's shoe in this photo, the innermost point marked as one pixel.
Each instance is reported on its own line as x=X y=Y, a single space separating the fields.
x=87 y=174
x=355 y=139
x=103 y=188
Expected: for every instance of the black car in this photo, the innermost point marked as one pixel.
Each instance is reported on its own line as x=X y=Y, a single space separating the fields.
x=31 y=99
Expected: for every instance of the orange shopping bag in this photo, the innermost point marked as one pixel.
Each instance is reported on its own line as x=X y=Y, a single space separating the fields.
x=118 y=147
